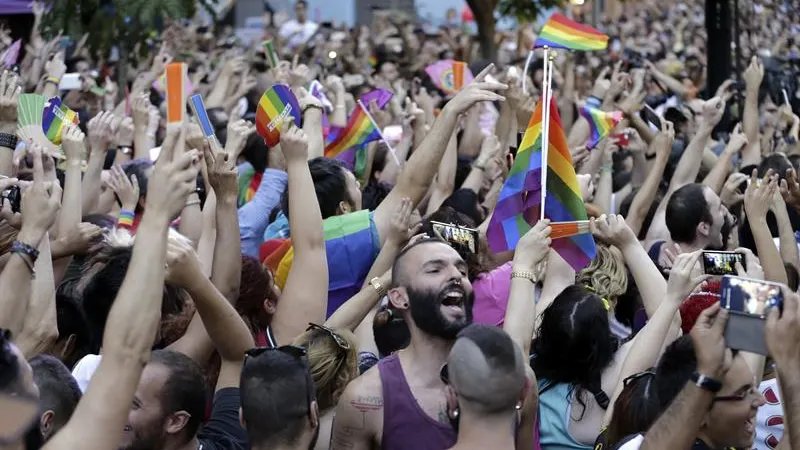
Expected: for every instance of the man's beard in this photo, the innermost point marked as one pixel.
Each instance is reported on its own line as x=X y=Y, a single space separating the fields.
x=152 y=439
x=426 y=311
x=725 y=231
x=33 y=438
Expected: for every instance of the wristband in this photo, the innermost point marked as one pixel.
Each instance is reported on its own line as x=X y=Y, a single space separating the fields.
x=311 y=106
x=8 y=141
x=706 y=383
x=606 y=168
x=54 y=80
x=379 y=288
x=650 y=157
x=125 y=219
x=28 y=250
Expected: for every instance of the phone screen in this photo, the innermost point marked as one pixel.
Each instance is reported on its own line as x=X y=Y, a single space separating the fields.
x=460 y=238
x=750 y=297
x=651 y=117
x=721 y=263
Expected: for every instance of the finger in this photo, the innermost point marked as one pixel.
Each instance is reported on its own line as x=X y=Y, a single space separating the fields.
x=38 y=165
x=706 y=317
x=481 y=76
x=720 y=320
x=174 y=133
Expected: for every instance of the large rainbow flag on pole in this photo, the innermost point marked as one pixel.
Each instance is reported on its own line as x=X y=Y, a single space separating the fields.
x=360 y=129
x=519 y=206
x=601 y=123
x=560 y=32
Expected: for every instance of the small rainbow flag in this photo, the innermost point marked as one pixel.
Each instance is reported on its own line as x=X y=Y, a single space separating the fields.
x=276 y=105
x=381 y=97
x=56 y=117
x=601 y=123
x=519 y=206
x=443 y=74
x=176 y=92
x=360 y=129
x=249 y=181
x=560 y=32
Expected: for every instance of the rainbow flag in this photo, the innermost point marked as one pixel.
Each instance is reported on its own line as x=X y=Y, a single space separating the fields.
x=276 y=105
x=560 y=32
x=449 y=76
x=351 y=247
x=55 y=117
x=519 y=206
x=359 y=130
x=601 y=123
x=249 y=181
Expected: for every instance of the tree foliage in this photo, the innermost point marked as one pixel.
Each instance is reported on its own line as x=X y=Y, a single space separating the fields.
x=526 y=10
x=116 y=22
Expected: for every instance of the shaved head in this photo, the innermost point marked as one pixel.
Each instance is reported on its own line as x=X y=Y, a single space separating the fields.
x=400 y=269
x=486 y=369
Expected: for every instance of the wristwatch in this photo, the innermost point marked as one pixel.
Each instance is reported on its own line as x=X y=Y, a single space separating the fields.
x=8 y=141
x=706 y=383
x=379 y=288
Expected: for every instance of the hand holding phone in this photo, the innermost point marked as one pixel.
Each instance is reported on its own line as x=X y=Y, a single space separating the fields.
x=722 y=263
x=460 y=238
x=651 y=117
x=748 y=302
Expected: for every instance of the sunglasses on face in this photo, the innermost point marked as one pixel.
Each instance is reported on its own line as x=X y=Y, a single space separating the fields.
x=340 y=342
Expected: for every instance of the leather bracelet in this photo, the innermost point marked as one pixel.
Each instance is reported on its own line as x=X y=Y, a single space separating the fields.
x=21 y=247
x=651 y=156
x=706 y=383
x=8 y=141
x=311 y=106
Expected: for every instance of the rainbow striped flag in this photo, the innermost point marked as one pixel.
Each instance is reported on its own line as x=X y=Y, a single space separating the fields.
x=560 y=32
x=519 y=206
x=249 y=181
x=351 y=247
x=359 y=130
x=601 y=123
x=276 y=105
x=56 y=117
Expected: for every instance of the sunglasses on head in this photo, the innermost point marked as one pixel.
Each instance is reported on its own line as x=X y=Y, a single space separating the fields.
x=340 y=342
x=296 y=352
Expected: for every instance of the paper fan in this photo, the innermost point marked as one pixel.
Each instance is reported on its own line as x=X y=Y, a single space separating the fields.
x=29 y=123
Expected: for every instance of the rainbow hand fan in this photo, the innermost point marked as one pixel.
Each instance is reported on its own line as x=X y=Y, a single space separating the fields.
x=29 y=122
x=55 y=118
x=276 y=105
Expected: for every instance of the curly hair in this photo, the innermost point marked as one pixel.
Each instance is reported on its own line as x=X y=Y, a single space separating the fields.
x=606 y=274
x=255 y=288
x=332 y=367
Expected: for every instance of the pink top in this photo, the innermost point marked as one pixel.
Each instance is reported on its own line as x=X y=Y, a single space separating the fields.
x=491 y=295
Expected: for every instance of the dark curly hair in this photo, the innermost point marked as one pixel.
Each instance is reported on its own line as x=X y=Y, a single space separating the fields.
x=255 y=288
x=575 y=344
x=330 y=184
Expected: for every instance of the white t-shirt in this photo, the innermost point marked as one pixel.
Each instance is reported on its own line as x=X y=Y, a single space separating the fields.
x=84 y=370
x=297 y=33
x=769 y=419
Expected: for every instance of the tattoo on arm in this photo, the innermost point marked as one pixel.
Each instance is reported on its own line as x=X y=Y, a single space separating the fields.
x=347 y=436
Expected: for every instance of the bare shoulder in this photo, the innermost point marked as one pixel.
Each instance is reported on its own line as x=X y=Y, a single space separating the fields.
x=359 y=414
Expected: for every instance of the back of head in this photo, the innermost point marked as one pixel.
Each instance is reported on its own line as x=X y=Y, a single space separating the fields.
x=486 y=370
x=574 y=343
x=637 y=407
x=185 y=389
x=777 y=162
x=674 y=369
x=255 y=289
x=330 y=184
x=466 y=202
x=58 y=390
x=390 y=330
x=332 y=367
x=606 y=274
x=686 y=209
x=256 y=152
x=275 y=391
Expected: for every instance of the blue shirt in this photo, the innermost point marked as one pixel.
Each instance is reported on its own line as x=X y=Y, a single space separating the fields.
x=254 y=216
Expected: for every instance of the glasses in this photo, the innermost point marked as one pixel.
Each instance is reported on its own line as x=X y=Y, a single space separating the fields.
x=298 y=353
x=636 y=376
x=340 y=342
x=750 y=393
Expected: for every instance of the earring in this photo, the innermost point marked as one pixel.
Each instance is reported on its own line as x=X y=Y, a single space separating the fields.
x=455 y=413
x=405 y=305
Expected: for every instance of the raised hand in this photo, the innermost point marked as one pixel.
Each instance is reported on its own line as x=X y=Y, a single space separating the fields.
x=758 y=196
x=738 y=139
x=194 y=136
x=174 y=177
x=754 y=269
x=73 y=142
x=754 y=74
x=55 y=67
x=238 y=133
x=294 y=142
x=141 y=112
x=101 y=132
x=183 y=266
x=533 y=247
x=41 y=200
x=713 y=109
x=222 y=175
x=681 y=283
x=479 y=90
x=400 y=230
x=127 y=189
x=708 y=337
x=730 y=195
x=783 y=333
x=790 y=189
x=80 y=239
x=613 y=230
x=9 y=97
x=125 y=132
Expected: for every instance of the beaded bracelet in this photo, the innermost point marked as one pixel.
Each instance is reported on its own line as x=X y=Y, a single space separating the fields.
x=125 y=219
x=27 y=253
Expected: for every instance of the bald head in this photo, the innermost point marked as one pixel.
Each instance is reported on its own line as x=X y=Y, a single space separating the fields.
x=486 y=370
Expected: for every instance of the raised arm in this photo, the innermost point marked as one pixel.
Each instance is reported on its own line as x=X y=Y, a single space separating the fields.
x=40 y=329
x=305 y=295
x=751 y=154
x=100 y=135
x=101 y=415
x=520 y=317
x=782 y=335
x=418 y=172
x=643 y=200
x=757 y=201
x=689 y=164
x=719 y=172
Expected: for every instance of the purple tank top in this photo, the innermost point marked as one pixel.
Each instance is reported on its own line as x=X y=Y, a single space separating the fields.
x=405 y=425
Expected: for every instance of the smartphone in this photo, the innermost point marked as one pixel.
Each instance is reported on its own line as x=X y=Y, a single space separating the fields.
x=748 y=302
x=14 y=197
x=722 y=263
x=651 y=117
x=70 y=82
x=460 y=238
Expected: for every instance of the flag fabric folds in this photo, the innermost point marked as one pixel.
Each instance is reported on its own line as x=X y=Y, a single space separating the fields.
x=249 y=181
x=560 y=32
x=358 y=131
x=519 y=206
x=601 y=123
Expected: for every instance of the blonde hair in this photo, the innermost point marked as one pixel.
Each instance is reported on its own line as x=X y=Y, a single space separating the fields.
x=332 y=367
x=606 y=274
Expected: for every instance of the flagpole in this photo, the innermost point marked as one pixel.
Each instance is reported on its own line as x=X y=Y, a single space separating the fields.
x=380 y=133
x=548 y=95
x=525 y=72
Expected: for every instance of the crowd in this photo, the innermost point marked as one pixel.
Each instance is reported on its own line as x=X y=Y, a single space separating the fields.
x=163 y=291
